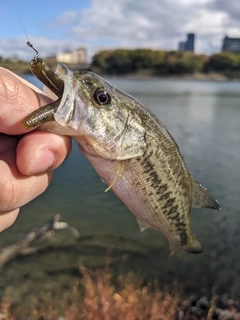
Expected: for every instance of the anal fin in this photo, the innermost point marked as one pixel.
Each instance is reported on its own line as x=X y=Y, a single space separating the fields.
x=142 y=225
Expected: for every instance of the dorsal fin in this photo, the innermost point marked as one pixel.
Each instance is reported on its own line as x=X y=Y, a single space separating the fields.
x=201 y=198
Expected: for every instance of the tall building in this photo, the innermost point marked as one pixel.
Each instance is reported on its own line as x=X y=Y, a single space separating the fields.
x=231 y=45
x=187 y=45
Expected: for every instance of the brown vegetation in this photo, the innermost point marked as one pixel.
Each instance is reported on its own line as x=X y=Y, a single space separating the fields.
x=99 y=299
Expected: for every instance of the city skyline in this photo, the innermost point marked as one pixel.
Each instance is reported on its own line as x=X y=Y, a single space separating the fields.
x=98 y=25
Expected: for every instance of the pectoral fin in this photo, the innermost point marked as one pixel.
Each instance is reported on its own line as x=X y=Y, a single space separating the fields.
x=119 y=171
x=142 y=225
x=201 y=198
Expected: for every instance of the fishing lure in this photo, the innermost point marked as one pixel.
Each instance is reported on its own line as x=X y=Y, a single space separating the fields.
x=51 y=80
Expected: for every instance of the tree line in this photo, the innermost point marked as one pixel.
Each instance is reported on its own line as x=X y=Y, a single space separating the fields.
x=156 y=62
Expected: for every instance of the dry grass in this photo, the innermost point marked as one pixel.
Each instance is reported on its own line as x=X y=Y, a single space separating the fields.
x=101 y=300
x=98 y=297
x=128 y=301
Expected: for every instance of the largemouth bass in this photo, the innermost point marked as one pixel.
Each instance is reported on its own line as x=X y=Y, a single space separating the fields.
x=131 y=151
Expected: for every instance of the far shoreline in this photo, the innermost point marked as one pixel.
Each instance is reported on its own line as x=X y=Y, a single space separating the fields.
x=187 y=77
x=23 y=68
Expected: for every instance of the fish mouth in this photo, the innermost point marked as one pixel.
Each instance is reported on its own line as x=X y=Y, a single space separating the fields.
x=70 y=111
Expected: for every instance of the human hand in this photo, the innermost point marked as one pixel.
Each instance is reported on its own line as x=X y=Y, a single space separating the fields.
x=26 y=163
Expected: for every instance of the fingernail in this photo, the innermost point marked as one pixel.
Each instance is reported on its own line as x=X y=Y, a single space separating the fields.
x=42 y=163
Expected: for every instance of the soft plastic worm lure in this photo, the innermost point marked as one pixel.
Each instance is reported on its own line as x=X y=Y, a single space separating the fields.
x=50 y=79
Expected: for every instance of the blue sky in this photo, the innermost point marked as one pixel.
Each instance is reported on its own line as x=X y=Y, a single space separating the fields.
x=37 y=16
x=54 y=26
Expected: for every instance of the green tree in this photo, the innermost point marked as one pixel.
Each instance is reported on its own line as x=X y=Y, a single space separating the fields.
x=99 y=60
x=223 y=62
x=125 y=61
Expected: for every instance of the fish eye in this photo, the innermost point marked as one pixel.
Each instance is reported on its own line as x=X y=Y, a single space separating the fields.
x=102 y=97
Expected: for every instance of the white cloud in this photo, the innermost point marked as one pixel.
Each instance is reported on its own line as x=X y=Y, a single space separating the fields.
x=131 y=23
x=156 y=24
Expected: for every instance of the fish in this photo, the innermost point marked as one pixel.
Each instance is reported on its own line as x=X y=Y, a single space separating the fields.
x=130 y=149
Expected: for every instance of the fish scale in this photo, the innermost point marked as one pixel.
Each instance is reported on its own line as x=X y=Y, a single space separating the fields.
x=131 y=151
x=164 y=205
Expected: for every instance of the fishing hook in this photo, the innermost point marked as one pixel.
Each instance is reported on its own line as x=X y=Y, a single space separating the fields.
x=31 y=46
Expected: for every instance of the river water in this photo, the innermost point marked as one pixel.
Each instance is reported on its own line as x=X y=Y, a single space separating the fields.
x=204 y=118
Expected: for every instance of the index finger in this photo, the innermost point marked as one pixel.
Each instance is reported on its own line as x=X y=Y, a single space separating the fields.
x=17 y=99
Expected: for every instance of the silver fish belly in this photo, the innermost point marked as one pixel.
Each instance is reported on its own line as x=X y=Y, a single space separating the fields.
x=133 y=153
